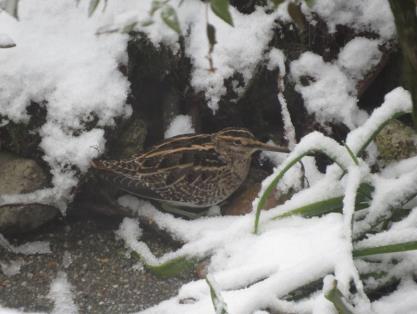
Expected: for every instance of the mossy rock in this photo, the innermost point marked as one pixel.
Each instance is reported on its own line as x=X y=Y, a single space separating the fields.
x=396 y=141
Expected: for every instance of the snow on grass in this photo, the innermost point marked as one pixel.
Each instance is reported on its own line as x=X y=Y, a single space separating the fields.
x=285 y=255
x=181 y=124
x=255 y=271
x=60 y=293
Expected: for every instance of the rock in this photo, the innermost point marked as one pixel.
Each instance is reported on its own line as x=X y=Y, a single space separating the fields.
x=130 y=139
x=396 y=141
x=17 y=218
x=19 y=175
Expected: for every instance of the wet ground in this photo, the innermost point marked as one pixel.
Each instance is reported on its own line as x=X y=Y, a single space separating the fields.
x=104 y=277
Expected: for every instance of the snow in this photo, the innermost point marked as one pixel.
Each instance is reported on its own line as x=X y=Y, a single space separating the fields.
x=277 y=60
x=4 y=310
x=359 y=56
x=11 y=268
x=6 y=41
x=330 y=94
x=181 y=124
x=60 y=293
x=238 y=48
x=73 y=74
x=372 y=15
x=320 y=240
x=403 y=300
x=35 y=247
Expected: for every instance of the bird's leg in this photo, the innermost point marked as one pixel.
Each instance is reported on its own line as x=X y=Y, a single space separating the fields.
x=180 y=211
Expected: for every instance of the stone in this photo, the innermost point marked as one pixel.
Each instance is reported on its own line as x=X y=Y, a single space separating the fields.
x=396 y=141
x=130 y=139
x=21 y=175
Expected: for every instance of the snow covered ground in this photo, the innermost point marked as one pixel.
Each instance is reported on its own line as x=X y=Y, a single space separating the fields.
x=60 y=61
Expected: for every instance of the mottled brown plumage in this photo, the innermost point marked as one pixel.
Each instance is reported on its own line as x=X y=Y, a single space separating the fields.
x=192 y=170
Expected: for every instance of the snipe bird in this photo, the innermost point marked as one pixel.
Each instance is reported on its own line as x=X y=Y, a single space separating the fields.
x=192 y=170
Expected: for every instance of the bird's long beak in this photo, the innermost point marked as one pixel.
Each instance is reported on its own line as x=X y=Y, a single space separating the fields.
x=272 y=148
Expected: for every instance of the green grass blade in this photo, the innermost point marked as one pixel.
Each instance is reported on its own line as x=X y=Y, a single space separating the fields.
x=334 y=204
x=352 y=155
x=384 y=249
x=171 y=268
x=315 y=209
x=336 y=297
x=271 y=187
x=219 y=305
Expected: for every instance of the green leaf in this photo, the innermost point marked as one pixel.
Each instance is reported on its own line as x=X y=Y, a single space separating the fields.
x=92 y=7
x=169 y=16
x=309 y=2
x=128 y=28
x=156 y=5
x=147 y=22
x=221 y=9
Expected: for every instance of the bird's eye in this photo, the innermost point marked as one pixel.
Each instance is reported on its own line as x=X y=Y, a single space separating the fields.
x=237 y=142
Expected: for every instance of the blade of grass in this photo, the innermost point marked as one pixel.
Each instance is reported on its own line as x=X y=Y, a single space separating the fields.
x=170 y=268
x=218 y=303
x=336 y=297
x=334 y=204
x=384 y=249
x=271 y=187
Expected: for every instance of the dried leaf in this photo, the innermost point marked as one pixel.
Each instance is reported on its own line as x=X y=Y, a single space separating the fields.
x=211 y=35
x=297 y=15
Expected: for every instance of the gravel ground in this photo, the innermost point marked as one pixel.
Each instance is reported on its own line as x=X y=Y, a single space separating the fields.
x=103 y=276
